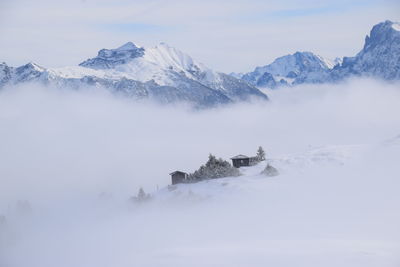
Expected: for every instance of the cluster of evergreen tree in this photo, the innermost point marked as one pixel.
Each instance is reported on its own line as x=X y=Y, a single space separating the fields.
x=214 y=168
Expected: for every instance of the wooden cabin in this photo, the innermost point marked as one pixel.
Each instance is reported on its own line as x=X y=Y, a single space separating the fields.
x=178 y=177
x=240 y=160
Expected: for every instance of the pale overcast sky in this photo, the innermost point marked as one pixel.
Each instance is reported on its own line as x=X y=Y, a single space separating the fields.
x=227 y=35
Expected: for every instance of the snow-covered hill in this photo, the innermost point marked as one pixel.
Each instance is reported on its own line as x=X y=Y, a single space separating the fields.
x=289 y=167
x=161 y=73
x=379 y=58
x=331 y=200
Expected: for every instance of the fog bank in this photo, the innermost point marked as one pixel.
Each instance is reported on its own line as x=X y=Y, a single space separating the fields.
x=61 y=149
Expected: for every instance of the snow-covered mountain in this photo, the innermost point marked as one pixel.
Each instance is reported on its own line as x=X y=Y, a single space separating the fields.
x=297 y=68
x=161 y=73
x=379 y=58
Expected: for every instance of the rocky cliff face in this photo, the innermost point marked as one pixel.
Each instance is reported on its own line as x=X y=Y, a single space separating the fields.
x=380 y=56
x=110 y=58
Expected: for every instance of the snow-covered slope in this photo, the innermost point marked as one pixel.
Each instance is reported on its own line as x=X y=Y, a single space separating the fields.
x=379 y=58
x=290 y=165
x=161 y=73
x=325 y=202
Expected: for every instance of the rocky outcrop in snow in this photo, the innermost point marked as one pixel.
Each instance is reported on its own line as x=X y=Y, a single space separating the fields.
x=5 y=73
x=110 y=58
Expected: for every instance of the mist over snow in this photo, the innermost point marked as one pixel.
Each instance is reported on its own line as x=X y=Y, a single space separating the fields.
x=78 y=156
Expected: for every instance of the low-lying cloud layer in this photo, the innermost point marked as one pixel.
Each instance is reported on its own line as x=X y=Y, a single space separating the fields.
x=61 y=149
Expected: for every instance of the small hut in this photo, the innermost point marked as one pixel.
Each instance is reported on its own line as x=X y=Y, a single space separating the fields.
x=240 y=160
x=178 y=177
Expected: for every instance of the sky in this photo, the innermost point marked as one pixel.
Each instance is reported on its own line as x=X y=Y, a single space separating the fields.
x=226 y=35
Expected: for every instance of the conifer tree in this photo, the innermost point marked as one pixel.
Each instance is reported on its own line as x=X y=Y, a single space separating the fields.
x=141 y=194
x=260 y=154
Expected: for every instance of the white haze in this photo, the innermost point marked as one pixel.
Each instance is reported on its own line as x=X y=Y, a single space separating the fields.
x=60 y=149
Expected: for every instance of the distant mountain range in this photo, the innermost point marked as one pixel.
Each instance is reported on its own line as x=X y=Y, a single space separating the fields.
x=379 y=58
x=167 y=75
x=161 y=73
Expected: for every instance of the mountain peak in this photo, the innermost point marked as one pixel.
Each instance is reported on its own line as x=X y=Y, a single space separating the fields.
x=379 y=57
x=32 y=66
x=110 y=58
x=127 y=46
x=384 y=32
x=289 y=69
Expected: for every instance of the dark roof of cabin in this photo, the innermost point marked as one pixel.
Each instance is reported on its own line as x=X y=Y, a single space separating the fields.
x=175 y=172
x=240 y=157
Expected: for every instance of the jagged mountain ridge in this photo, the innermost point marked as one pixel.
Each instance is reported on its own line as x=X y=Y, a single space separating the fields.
x=161 y=73
x=289 y=69
x=379 y=58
